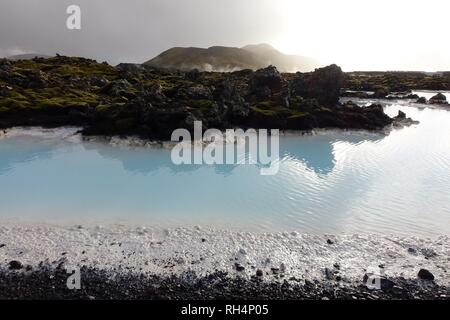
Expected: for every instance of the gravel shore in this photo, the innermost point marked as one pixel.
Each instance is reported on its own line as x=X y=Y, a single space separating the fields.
x=122 y=262
x=46 y=283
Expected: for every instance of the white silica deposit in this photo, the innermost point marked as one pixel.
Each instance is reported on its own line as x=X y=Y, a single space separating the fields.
x=203 y=251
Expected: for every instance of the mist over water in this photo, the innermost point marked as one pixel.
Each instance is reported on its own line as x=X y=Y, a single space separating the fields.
x=332 y=182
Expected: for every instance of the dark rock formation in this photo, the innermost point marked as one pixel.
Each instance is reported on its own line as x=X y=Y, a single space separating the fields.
x=324 y=84
x=424 y=274
x=438 y=99
x=422 y=100
x=264 y=82
x=141 y=100
x=380 y=93
x=392 y=81
x=239 y=267
x=15 y=265
x=402 y=121
x=46 y=283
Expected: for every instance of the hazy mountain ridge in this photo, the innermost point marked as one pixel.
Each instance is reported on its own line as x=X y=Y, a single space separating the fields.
x=227 y=59
x=27 y=56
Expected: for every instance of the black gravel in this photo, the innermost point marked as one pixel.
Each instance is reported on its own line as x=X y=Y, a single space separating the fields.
x=48 y=283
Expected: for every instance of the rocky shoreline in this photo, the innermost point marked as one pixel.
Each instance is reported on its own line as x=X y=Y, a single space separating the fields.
x=45 y=283
x=141 y=100
x=123 y=262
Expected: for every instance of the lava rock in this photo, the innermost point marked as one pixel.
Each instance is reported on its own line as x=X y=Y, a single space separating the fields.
x=424 y=274
x=239 y=267
x=428 y=253
x=380 y=93
x=329 y=274
x=275 y=270
x=268 y=77
x=422 y=100
x=324 y=84
x=15 y=265
x=402 y=121
x=401 y=115
x=438 y=99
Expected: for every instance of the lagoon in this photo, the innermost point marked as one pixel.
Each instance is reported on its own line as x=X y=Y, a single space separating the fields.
x=329 y=182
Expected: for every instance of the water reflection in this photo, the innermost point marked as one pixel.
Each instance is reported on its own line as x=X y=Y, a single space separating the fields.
x=316 y=152
x=31 y=150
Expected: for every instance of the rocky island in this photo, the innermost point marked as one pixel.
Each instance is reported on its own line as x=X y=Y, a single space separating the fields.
x=141 y=100
x=397 y=85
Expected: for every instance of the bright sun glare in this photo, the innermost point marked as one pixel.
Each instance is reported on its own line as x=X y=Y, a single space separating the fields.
x=363 y=35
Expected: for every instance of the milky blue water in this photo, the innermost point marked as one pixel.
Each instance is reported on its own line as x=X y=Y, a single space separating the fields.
x=328 y=183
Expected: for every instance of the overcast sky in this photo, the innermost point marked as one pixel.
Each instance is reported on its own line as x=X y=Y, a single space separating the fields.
x=356 y=34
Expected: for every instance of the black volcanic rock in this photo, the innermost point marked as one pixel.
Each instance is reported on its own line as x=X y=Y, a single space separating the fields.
x=396 y=81
x=264 y=82
x=438 y=99
x=424 y=274
x=422 y=100
x=15 y=265
x=46 y=283
x=133 y=100
x=324 y=84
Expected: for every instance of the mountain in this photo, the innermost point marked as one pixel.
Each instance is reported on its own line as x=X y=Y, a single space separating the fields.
x=28 y=56
x=231 y=59
x=284 y=62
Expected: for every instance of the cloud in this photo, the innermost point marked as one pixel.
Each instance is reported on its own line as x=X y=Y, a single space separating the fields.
x=133 y=31
x=374 y=34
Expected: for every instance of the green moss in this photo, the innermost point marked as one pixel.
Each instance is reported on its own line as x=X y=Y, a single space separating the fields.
x=82 y=97
x=107 y=110
x=266 y=112
x=203 y=104
x=262 y=111
x=10 y=103
x=103 y=108
x=265 y=104
x=57 y=96
x=50 y=103
x=28 y=64
x=297 y=114
x=324 y=109
x=169 y=82
x=17 y=95
x=269 y=108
